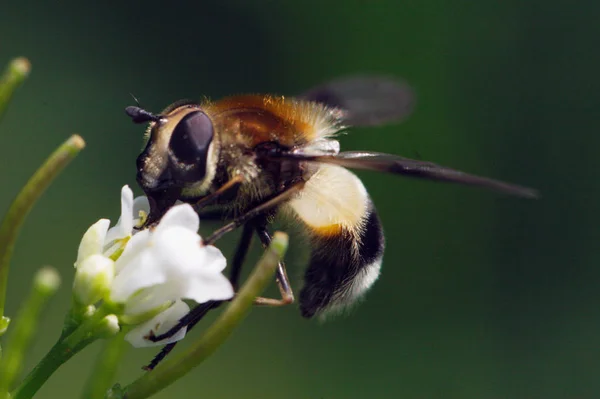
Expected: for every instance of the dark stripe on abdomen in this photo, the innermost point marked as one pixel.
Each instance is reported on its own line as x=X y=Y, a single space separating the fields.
x=336 y=275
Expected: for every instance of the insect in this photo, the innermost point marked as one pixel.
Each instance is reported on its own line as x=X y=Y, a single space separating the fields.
x=255 y=156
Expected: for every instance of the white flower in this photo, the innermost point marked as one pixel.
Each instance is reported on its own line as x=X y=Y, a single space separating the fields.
x=99 y=239
x=94 y=264
x=153 y=269
x=160 y=267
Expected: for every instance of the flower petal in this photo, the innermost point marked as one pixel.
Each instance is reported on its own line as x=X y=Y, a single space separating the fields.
x=152 y=299
x=178 y=249
x=140 y=272
x=93 y=240
x=124 y=225
x=180 y=215
x=213 y=286
x=213 y=259
x=134 y=247
x=159 y=324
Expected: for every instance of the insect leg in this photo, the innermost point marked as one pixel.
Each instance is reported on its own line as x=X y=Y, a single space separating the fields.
x=240 y=255
x=189 y=320
x=231 y=186
x=251 y=214
x=287 y=295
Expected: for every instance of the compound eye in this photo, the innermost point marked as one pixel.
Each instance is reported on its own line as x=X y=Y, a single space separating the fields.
x=191 y=138
x=189 y=145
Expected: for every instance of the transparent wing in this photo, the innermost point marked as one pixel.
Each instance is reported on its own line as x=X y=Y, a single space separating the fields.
x=367 y=100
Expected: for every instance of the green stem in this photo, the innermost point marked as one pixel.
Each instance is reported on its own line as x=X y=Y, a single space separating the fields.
x=73 y=319
x=59 y=354
x=45 y=284
x=13 y=76
x=24 y=201
x=105 y=368
x=178 y=365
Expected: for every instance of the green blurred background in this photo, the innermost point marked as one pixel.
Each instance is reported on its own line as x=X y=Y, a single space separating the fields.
x=481 y=296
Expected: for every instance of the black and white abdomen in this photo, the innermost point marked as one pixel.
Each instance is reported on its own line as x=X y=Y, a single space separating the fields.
x=346 y=240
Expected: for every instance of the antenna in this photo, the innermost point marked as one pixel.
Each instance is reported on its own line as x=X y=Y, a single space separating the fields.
x=140 y=115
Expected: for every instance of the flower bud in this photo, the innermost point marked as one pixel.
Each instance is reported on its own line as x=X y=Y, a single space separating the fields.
x=4 y=322
x=93 y=241
x=47 y=281
x=89 y=311
x=93 y=279
x=109 y=326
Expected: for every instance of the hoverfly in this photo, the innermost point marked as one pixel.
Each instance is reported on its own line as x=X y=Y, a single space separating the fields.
x=255 y=156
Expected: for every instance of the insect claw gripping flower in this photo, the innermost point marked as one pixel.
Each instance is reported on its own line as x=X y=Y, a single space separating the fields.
x=147 y=274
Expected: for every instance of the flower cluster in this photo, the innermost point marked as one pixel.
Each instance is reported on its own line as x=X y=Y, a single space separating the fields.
x=147 y=274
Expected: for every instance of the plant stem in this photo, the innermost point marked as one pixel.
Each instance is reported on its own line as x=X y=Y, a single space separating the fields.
x=13 y=76
x=178 y=365
x=105 y=368
x=23 y=203
x=45 y=284
x=62 y=351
